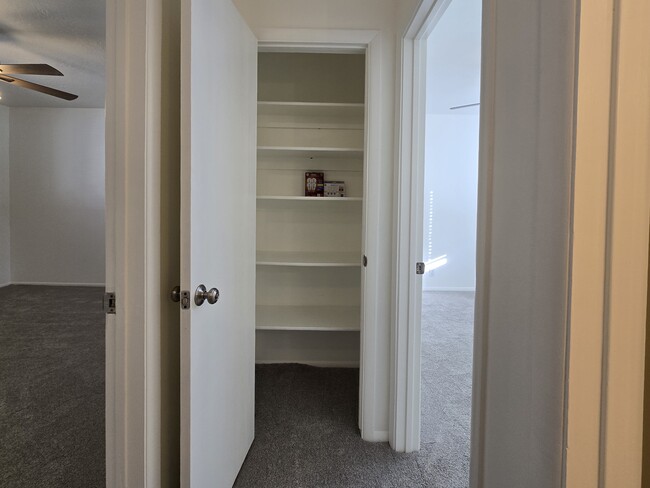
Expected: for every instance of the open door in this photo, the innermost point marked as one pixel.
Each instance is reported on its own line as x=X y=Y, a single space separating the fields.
x=218 y=140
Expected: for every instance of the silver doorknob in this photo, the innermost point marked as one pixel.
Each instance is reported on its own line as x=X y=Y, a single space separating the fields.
x=202 y=294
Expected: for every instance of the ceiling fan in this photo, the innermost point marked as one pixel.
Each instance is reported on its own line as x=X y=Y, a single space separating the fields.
x=7 y=72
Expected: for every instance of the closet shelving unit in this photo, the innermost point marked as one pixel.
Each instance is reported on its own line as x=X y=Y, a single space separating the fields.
x=308 y=248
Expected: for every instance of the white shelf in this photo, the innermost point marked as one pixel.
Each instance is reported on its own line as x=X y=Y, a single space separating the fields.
x=308 y=259
x=309 y=152
x=311 y=114
x=307 y=318
x=269 y=107
x=310 y=199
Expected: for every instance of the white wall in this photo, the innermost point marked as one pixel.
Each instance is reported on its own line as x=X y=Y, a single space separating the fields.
x=57 y=195
x=450 y=191
x=5 y=257
x=526 y=154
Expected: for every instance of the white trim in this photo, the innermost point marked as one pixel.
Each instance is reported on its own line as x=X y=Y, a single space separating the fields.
x=404 y=415
x=483 y=247
x=315 y=40
x=53 y=283
x=133 y=98
x=449 y=288
x=318 y=364
x=377 y=436
x=368 y=41
x=6 y=284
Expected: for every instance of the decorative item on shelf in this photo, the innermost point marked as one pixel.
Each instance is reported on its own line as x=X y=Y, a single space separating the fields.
x=314 y=183
x=334 y=189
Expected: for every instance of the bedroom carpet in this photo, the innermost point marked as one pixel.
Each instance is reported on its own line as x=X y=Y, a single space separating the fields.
x=51 y=387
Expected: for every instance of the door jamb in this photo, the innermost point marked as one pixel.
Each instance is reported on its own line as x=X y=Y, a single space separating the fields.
x=133 y=147
x=335 y=40
x=623 y=239
x=404 y=418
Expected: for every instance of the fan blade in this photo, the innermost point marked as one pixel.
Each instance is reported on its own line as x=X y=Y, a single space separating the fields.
x=38 y=88
x=29 y=69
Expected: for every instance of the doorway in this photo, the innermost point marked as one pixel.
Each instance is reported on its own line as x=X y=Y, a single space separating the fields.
x=52 y=335
x=449 y=217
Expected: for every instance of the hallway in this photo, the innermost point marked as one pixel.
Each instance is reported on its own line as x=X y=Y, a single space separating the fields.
x=52 y=403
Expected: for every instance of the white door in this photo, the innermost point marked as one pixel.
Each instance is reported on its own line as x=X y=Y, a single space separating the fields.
x=218 y=140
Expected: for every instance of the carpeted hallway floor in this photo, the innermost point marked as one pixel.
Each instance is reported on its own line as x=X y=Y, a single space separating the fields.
x=306 y=432
x=52 y=403
x=51 y=387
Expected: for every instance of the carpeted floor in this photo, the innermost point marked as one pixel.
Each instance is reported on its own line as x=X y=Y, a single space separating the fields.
x=51 y=387
x=52 y=403
x=306 y=433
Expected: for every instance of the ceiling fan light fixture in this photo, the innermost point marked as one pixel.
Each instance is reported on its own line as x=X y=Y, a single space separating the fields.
x=7 y=72
x=465 y=106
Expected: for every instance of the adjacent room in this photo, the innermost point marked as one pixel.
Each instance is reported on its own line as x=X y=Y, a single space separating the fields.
x=449 y=232
x=52 y=244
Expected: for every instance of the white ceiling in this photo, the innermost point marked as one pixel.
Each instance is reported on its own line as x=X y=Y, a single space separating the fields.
x=454 y=59
x=70 y=35
x=67 y=34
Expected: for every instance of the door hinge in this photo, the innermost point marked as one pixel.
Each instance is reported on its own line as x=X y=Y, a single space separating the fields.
x=419 y=268
x=109 y=303
x=365 y=261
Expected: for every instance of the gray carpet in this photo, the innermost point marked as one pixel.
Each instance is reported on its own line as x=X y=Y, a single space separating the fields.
x=306 y=432
x=52 y=403
x=51 y=387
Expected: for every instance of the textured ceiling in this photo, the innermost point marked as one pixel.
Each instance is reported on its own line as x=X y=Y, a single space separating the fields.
x=67 y=34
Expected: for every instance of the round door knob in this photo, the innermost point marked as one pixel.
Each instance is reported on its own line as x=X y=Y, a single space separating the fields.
x=202 y=294
x=175 y=294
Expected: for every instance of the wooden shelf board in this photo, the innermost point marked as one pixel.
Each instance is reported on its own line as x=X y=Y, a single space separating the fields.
x=308 y=318
x=308 y=259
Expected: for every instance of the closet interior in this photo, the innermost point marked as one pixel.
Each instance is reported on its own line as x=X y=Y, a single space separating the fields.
x=310 y=207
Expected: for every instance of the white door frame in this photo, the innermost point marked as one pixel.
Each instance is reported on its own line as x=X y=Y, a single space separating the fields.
x=404 y=417
x=368 y=41
x=133 y=240
x=606 y=253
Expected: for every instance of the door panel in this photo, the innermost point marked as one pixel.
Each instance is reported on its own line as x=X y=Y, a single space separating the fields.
x=218 y=138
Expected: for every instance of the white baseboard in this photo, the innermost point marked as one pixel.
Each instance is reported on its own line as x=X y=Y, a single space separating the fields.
x=375 y=436
x=5 y=284
x=50 y=283
x=449 y=288
x=319 y=364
